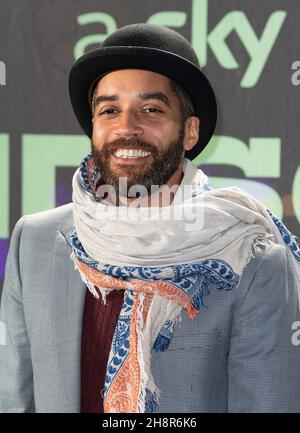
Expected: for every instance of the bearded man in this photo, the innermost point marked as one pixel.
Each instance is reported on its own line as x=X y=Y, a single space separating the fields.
x=177 y=297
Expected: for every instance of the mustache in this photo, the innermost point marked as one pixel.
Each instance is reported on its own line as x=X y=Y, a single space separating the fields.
x=130 y=143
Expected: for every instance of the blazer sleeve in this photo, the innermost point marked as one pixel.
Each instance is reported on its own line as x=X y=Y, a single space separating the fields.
x=16 y=378
x=263 y=363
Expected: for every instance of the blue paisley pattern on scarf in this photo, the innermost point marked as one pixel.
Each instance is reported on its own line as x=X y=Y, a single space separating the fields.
x=84 y=181
x=84 y=176
x=120 y=342
x=290 y=240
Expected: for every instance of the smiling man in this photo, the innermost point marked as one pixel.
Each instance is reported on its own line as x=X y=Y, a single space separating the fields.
x=140 y=130
x=184 y=300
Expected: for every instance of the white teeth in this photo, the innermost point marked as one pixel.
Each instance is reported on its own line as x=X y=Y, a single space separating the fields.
x=130 y=153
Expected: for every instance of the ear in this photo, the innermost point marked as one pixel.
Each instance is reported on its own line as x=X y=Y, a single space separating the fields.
x=191 y=132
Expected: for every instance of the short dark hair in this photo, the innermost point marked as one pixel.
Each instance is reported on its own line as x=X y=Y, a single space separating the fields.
x=185 y=102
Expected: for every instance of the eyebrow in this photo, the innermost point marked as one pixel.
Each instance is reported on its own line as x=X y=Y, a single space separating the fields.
x=144 y=96
x=104 y=98
x=157 y=95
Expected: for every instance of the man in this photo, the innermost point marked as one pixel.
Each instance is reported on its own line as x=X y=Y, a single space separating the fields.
x=183 y=298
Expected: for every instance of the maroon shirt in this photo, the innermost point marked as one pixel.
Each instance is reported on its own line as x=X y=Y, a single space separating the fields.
x=98 y=326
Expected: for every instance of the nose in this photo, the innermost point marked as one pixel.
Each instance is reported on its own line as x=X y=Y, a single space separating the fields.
x=128 y=124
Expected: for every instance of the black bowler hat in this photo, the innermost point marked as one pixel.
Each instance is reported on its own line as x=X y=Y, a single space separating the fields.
x=150 y=47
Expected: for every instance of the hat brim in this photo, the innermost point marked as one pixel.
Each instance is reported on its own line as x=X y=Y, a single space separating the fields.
x=105 y=59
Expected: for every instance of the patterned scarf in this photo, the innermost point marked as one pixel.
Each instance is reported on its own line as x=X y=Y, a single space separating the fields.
x=163 y=268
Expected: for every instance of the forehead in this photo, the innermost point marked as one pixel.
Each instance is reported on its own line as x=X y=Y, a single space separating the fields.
x=134 y=80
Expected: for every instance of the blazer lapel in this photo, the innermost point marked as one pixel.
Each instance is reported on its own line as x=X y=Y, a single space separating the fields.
x=67 y=305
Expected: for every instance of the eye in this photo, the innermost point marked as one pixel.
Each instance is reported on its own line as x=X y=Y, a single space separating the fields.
x=107 y=111
x=152 y=110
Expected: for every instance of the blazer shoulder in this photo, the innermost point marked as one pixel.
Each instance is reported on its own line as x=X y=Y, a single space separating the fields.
x=267 y=260
x=60 y=218
x=43 y=226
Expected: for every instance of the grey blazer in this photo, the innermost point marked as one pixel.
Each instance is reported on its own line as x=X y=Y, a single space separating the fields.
x=237 y=355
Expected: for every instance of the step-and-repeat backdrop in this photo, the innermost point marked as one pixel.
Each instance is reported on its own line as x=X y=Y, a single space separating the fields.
x=249 y=49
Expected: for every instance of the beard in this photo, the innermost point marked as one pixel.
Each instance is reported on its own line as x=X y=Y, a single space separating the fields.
x=164 y=164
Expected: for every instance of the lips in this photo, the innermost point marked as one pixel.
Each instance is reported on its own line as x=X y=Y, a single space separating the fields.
x=130 y=160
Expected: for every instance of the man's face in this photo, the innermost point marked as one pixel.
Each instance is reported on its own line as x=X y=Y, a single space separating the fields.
x=138 y=132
